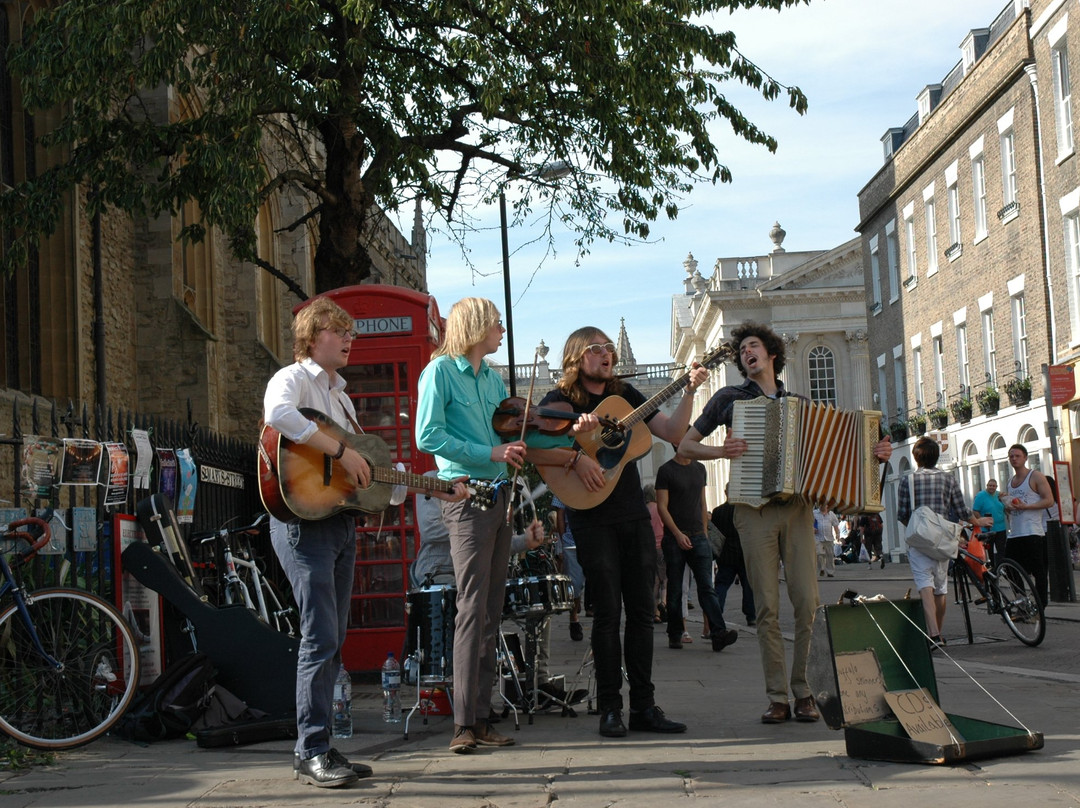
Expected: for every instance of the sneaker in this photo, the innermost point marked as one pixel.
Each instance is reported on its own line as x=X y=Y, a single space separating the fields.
x=686 y=637
x=463 y=740
x=706 y=635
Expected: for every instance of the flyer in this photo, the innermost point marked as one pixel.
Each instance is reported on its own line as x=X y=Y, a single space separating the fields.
x=41 y=460
x=185 y=502
x=80 y=462
x=116 y=483
x=144 y=457
x=167 y=473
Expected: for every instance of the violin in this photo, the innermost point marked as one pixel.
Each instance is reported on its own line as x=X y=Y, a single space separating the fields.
x=554 y=419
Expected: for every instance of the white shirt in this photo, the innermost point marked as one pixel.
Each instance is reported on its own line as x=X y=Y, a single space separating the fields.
x=305 y=384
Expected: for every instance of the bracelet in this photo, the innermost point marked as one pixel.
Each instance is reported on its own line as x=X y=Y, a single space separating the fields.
x=577 y=457
x=340 y=451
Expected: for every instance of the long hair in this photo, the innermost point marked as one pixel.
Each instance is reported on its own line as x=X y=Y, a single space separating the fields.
x=320 y=313
x=573 y=353
x=467 y=324
x=773 y=344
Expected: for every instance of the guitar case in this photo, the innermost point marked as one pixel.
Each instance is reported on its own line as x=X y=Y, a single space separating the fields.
x=254 y=662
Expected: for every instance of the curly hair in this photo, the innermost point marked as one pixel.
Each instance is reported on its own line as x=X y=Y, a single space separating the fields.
x=573 y=353
x=467 y=325
x=773 y=344
x=321 y=313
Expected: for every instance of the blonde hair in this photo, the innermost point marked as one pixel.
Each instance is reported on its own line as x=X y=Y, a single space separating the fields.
x=467 y=325
x=573 y=354
x=321 y=313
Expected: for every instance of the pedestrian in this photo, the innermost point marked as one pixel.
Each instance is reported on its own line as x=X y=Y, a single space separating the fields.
x=1027 y=499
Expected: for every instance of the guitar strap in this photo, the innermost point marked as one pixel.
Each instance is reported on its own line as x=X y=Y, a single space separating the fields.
x=348 y=415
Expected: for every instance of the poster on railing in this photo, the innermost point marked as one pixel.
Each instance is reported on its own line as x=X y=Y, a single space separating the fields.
x=41 y=462
x=144 y=458
x=116 y=481
x=167 y=473
x=140 y=605
x=185 y=500
x=81 y=462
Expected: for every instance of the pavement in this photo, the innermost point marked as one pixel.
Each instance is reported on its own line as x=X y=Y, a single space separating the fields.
x=726 y=756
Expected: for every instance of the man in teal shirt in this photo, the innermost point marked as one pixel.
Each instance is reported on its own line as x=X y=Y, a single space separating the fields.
x=988 y=503
x=458 y=393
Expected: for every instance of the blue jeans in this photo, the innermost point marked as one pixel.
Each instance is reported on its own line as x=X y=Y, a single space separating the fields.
x=620 y=565
x=319 y=559
x=725 y=577
x=700 y=560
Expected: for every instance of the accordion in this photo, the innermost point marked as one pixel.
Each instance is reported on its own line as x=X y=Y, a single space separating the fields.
x=801 y=449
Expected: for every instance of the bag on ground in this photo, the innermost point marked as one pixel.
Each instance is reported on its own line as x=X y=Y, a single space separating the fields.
x=172 y=704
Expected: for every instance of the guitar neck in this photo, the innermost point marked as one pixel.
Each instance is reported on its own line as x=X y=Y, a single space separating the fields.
x=394 y=477
x=654 y=403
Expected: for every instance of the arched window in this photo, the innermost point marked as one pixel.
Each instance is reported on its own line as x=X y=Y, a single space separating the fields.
x=974 y=469
x=999 y=459
x=822 y=373
x=1029 y=437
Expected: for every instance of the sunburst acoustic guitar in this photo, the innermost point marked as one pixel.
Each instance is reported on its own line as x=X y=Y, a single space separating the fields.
x=298 y=481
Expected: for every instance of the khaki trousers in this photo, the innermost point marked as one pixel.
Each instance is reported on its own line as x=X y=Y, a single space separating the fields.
x=775 y=533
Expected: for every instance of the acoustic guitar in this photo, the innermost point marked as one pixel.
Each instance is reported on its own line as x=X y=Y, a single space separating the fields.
x=620 y=438
x=298 y=481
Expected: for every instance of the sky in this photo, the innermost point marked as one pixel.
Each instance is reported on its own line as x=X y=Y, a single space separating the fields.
x=861 y=63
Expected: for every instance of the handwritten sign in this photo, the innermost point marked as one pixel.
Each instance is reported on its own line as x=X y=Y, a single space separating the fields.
x=862 y=686
x=922 y=718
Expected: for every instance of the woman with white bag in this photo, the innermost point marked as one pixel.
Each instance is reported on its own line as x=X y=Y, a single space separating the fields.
x=939 y=492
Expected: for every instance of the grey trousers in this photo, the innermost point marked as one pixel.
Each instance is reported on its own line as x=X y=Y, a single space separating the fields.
x=480 y=548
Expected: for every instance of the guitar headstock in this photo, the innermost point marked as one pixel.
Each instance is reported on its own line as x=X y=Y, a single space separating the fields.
x=484 y=494
x=718 y=355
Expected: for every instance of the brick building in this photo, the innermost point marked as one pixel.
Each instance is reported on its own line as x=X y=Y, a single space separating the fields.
x=965 y=237
x=179 y=322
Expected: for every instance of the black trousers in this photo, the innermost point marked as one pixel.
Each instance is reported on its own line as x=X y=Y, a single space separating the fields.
x=620 y=564
x=1030 y=553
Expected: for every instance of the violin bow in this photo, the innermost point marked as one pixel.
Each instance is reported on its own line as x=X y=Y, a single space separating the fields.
x=524 y=426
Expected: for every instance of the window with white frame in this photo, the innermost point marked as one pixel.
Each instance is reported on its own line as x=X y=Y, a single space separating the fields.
x=1020 y=336
x=822 y=373
x=931 y=236
x=916 y=376
x=1059 y=61
x=963 y=371
x=1070 y=212
x=954 y=215
x=978 y=189
x=875 y=274
x=989 y=345
x=900 y=382
x=939 y=371
x=1008 y=168
x=893 y=257
x=909 y=234
x=883 y=392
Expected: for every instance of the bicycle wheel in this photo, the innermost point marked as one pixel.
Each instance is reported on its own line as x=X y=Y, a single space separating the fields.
x=1020 y=609
x=50 y=707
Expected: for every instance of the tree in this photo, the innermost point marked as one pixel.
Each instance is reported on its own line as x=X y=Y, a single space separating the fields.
x=365 y=103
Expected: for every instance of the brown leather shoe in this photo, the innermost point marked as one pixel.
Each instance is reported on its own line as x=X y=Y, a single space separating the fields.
x=806 y=710
x=463 y=740
x=486 y=736
x=778 y=713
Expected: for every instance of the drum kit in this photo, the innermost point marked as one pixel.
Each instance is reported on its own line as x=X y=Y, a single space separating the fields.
x=535 y=591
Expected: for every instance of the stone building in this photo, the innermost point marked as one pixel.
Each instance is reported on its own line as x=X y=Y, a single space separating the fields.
x=969 y=241
x=813 y=299
x=119 y=312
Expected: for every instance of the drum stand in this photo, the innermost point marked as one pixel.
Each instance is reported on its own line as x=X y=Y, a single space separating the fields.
x=528 y=663
x=424 y=684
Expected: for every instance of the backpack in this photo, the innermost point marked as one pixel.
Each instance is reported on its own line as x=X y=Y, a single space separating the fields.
x=173 y=703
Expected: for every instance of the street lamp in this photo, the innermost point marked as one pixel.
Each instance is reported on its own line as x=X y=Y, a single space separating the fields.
x=550 y=171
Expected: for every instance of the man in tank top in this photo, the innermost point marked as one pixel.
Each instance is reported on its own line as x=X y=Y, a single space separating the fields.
x=1028 y=495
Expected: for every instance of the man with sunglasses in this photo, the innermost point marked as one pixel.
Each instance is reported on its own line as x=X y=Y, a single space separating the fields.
x=615 y=541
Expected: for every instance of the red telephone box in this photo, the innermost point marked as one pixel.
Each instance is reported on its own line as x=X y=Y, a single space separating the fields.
x=397 y=330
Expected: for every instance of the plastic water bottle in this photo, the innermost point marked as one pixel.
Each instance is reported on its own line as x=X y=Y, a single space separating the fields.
x=342 y=708
x=391 y=689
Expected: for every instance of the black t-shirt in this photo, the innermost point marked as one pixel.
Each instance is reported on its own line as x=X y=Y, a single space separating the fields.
x=683 y=484
x=626 y=503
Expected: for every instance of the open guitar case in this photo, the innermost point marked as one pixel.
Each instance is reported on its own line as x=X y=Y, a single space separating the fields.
x=254 y=662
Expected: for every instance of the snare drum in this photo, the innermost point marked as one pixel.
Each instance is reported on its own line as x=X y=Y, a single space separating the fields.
x=538 y=594
x=432 y=610
x=518 y=601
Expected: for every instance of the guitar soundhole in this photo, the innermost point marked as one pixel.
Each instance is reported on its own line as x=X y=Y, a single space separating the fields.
x=612 y=438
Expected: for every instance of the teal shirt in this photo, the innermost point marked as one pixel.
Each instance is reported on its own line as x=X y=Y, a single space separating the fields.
x=989 y=505
x=453 y=417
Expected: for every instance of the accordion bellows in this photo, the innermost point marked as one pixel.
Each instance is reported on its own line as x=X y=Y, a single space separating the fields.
x=801 y=449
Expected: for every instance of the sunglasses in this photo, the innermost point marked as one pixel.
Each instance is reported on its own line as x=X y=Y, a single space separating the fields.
x=599 y=348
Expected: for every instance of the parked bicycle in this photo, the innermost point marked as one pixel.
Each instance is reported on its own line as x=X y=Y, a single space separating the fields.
x=69 y=664
x=241 y=579
x=1006 y=589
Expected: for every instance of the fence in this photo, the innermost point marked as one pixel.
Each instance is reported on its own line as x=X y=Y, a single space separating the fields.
x=83 y=552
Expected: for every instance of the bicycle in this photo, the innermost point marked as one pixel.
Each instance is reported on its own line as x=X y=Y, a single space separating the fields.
x=69 y=664
x=1006 y=589
x=241 y=576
